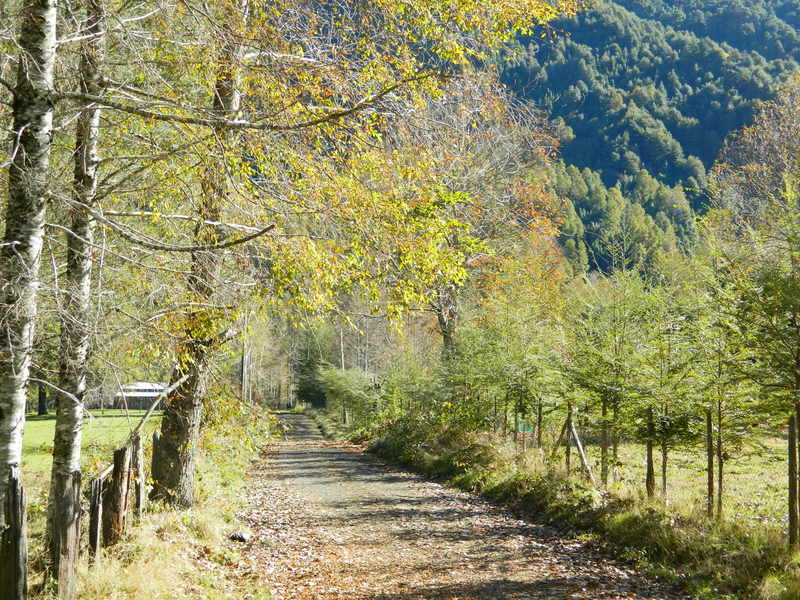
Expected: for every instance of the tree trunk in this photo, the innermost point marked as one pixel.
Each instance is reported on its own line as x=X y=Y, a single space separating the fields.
x=14 y=542
x=244 y=375
x=615 y=435
x=709 y=465
x=720 y=460
x=539 y=422
x=568 y=449
x=174 y=454
x=41 y=408
x=447 y=317
x=797 y=460
x=174 y=457
x=32 y=112
x=664 y=457
x=792 y=452
x=650 y=476
x=75 y=320
x=604 y=441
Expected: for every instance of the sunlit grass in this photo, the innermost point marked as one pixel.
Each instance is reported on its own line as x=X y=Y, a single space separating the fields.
x=754 y=484
x=103 y=432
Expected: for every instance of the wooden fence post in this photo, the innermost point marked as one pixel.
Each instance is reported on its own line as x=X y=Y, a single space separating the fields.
x=68 y=533
x=140 y=483
x=14 y=542
x=96 y=516
x=115 y=509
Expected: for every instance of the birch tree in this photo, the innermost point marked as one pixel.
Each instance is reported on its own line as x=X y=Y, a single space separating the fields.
x=63 y=523
x=32 y=113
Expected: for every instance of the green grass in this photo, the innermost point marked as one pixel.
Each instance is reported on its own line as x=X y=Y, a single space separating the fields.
x=754 y=481
x=103 y=432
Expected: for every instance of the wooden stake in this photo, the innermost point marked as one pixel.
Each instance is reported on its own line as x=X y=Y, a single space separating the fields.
x=115 y=511
x=138 y=478
x=582 y=454
x=14 y=542
x=96 y=516
x=68 y=532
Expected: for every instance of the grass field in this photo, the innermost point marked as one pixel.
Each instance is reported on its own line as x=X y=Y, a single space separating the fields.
x=754 y=484
x=103 y=432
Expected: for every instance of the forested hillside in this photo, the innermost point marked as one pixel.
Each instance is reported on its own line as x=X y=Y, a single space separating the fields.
x=648 y=88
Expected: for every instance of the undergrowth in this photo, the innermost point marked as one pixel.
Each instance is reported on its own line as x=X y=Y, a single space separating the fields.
x=186 y=554
x=720 y=560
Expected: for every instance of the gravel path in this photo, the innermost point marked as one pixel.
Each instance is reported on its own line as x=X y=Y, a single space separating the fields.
x=330 y=522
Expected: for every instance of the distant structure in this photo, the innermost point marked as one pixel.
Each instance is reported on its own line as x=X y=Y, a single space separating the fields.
x=139 y=395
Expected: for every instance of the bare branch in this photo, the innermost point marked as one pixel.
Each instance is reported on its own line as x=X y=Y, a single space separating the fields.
x=239 y=124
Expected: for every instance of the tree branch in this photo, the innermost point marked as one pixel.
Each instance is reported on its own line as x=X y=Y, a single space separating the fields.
x=237 y=124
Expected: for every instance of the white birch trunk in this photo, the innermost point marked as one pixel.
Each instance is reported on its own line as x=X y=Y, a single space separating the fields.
x=24 y=222
x=75 y=322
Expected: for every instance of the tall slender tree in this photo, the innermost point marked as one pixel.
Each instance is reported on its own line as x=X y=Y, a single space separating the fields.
x=63 y=523
x=32 y=110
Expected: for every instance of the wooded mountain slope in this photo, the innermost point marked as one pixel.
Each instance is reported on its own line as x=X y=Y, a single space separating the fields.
x=656 y=86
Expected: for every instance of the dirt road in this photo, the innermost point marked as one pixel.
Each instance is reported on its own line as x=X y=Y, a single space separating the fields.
x=330 y=522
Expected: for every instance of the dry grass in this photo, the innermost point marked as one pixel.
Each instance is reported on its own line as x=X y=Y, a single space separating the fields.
x=181 y=554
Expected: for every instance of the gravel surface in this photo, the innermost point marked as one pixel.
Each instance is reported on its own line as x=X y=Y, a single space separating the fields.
x=329 y=522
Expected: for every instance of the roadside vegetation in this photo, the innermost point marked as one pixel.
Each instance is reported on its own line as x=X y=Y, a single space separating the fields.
x=653 y=403
x=168 y=553
x=741 y=556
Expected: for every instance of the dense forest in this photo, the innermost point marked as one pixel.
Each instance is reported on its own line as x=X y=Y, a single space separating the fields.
x=644 y=90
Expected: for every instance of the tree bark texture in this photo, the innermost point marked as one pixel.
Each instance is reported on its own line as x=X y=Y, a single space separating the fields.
x=14 y=541
x=32 y=113
x=174 y=455
x=20 y=254
x=75 y=321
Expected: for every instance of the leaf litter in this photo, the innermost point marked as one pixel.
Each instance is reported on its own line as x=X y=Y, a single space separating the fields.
x=329 y=522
